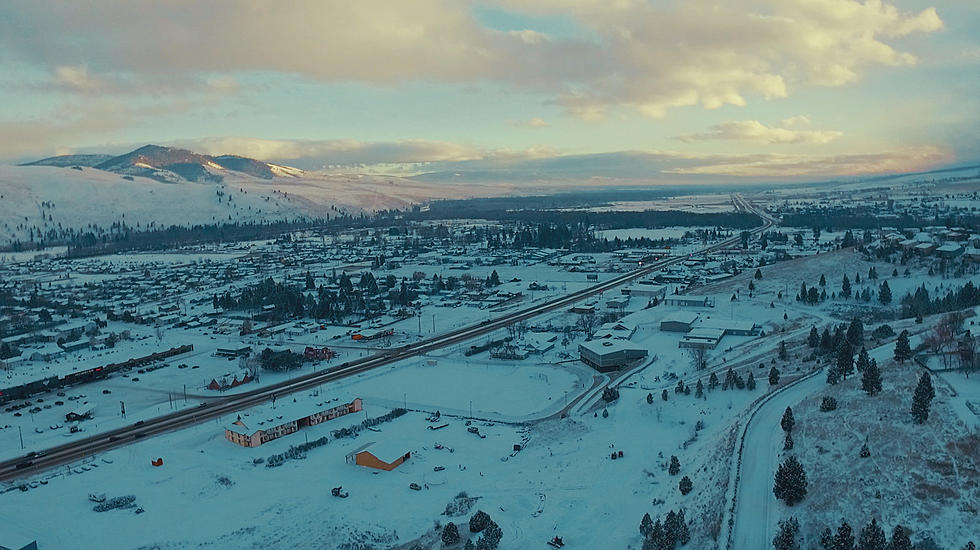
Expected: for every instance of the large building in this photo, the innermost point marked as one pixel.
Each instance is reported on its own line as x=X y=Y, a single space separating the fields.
x=681 y=321
x=610 y=354
x=240 y=434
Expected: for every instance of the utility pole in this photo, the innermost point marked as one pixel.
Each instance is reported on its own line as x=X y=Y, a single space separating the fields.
x=21 y=434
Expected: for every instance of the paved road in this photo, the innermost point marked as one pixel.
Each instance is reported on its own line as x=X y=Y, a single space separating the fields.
x=49 y=458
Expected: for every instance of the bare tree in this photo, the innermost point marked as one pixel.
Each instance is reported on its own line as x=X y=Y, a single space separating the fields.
x=699 y=356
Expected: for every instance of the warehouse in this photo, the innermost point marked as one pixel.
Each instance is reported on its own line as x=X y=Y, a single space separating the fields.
x=702 y=338
x=681 y=321
x=609 y=354
x=363 y=457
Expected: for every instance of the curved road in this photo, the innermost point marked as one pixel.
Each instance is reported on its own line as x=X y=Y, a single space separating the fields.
x=37 y=461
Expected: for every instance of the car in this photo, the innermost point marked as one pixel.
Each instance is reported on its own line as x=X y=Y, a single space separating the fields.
x=135 y=379
x=139 y=423
x=202 y=405
x=106 y=392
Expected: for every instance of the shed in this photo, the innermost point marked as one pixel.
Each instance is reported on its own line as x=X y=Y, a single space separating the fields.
x=680 y=321
x=364 y=457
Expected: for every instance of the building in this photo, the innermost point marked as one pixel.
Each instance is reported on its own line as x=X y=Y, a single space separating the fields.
x=702 y=338
x=243 y=351
x=646 y=291
x=690 y=301
x=619 y=329
x=363 y=457
x=240 y=434
x=609 y=354
x=949 y=251
x=732 y=327
x=681 y=321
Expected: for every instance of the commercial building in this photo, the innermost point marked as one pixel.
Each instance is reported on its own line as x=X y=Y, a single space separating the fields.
x=681 y=321
x=690 y=301
x=240 y=434
x=610 y=354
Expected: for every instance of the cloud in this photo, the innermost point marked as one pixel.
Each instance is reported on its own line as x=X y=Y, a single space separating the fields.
x=644 y=56
x=534 y=122
x=753 y=131
x=910 y=159
x=348 y=152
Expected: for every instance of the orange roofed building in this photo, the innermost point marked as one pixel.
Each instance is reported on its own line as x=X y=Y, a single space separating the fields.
x=240 y=434
x=363 y=457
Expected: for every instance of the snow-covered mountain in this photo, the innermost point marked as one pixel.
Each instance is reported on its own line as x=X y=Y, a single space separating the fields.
x=172 y=165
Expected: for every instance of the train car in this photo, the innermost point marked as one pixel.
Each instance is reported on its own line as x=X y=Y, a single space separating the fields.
x=24 y=391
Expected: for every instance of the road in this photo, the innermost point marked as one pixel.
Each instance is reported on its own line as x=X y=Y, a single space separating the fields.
x=63 y=454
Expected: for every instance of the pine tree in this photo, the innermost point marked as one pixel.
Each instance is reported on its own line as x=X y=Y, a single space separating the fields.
x=479 y=521
x=649 y=399
x=699 y=389
x=493 y=534
x=833 y=375
x=900 y=539
x=863 y=360
x=826 y=341
x=922 y=399
x=855 y=332
x=845 y=287
x=749 y=383
x=675 y=466
x=902 y=350
x=871 y=379
x=758 y=274
x=646 y=525
x=786 y=538
x=790 y=482
x=823 y=280
x=813 y=340
x=788 y=442
x=712 y=381
x=872 y=537
x=787 y=422
x=773 y=376
x=663 y=395
x=450 y=534
x=970 y=546
x=885 y=293
x=685 y=485
x=469 y=545
x=783 y=355
x=683 y=535
x=844 y=539
x=845 y=360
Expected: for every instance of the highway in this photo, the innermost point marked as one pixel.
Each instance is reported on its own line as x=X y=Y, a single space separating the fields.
x=39 y=461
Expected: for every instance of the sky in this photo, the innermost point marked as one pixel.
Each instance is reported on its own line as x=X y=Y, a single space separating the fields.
x=746 y=88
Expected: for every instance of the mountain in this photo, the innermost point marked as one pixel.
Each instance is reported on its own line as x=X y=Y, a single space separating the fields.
x=172 y=165
x=65 y=161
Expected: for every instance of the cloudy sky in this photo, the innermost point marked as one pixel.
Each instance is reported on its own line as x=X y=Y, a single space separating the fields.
x=720 y=87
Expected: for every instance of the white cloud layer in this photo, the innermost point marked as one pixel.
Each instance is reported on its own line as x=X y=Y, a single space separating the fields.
x=646 y=56
x=753 y=131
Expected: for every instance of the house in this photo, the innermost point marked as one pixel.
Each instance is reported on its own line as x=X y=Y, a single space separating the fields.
x=925 y=249
x=646 y=291
x=77 y=345
x=618 y=329
x=949 y=251
x=239 y=433
x=681 y=321
x=47 y=352
x=243 y=351
x=371 y=459
x=732 y=327
x=609 y=354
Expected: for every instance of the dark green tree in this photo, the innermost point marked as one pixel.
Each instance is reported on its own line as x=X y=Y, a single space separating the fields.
x=790 y=482
x=902 y=350
x=787 y=422
x=872 y=537
x=845 y=287
x=885 y=293
x=922 y=399
x=871 y=378
x=786 y=538
x=773 y=376
x=675 y=466
x=450 y=534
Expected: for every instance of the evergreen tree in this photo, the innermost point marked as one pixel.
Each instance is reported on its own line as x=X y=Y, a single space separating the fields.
x=844 y=539
x=790 y=482
x=773 y=376
x=826 y=341
x=699 y=389
x=872 y=537
x=855 y=332
x=788 y=442
x=646 y=525
x=675 y=466
x=845 y=287
x=783 y=355
x=922 y=399
x=970 y=546
x=845 y=360
x=885 y=293
x=712 y=381
x=823 y=280
x=493 y=279
x=663 y=395
x=310 y=285
x=813 y=340
x=479 y=521
x=833 y=375
x=902 y=350
x=450 y=534
x=812 y=296
x=871 y=379
x=683 y=535
x=469 y=545
x=749 y=383
x=863 y=360
x=787 y=422
x=900 y=539
x=758 y=274
x=649 y=399
x=786 y=538
x=685 y=485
